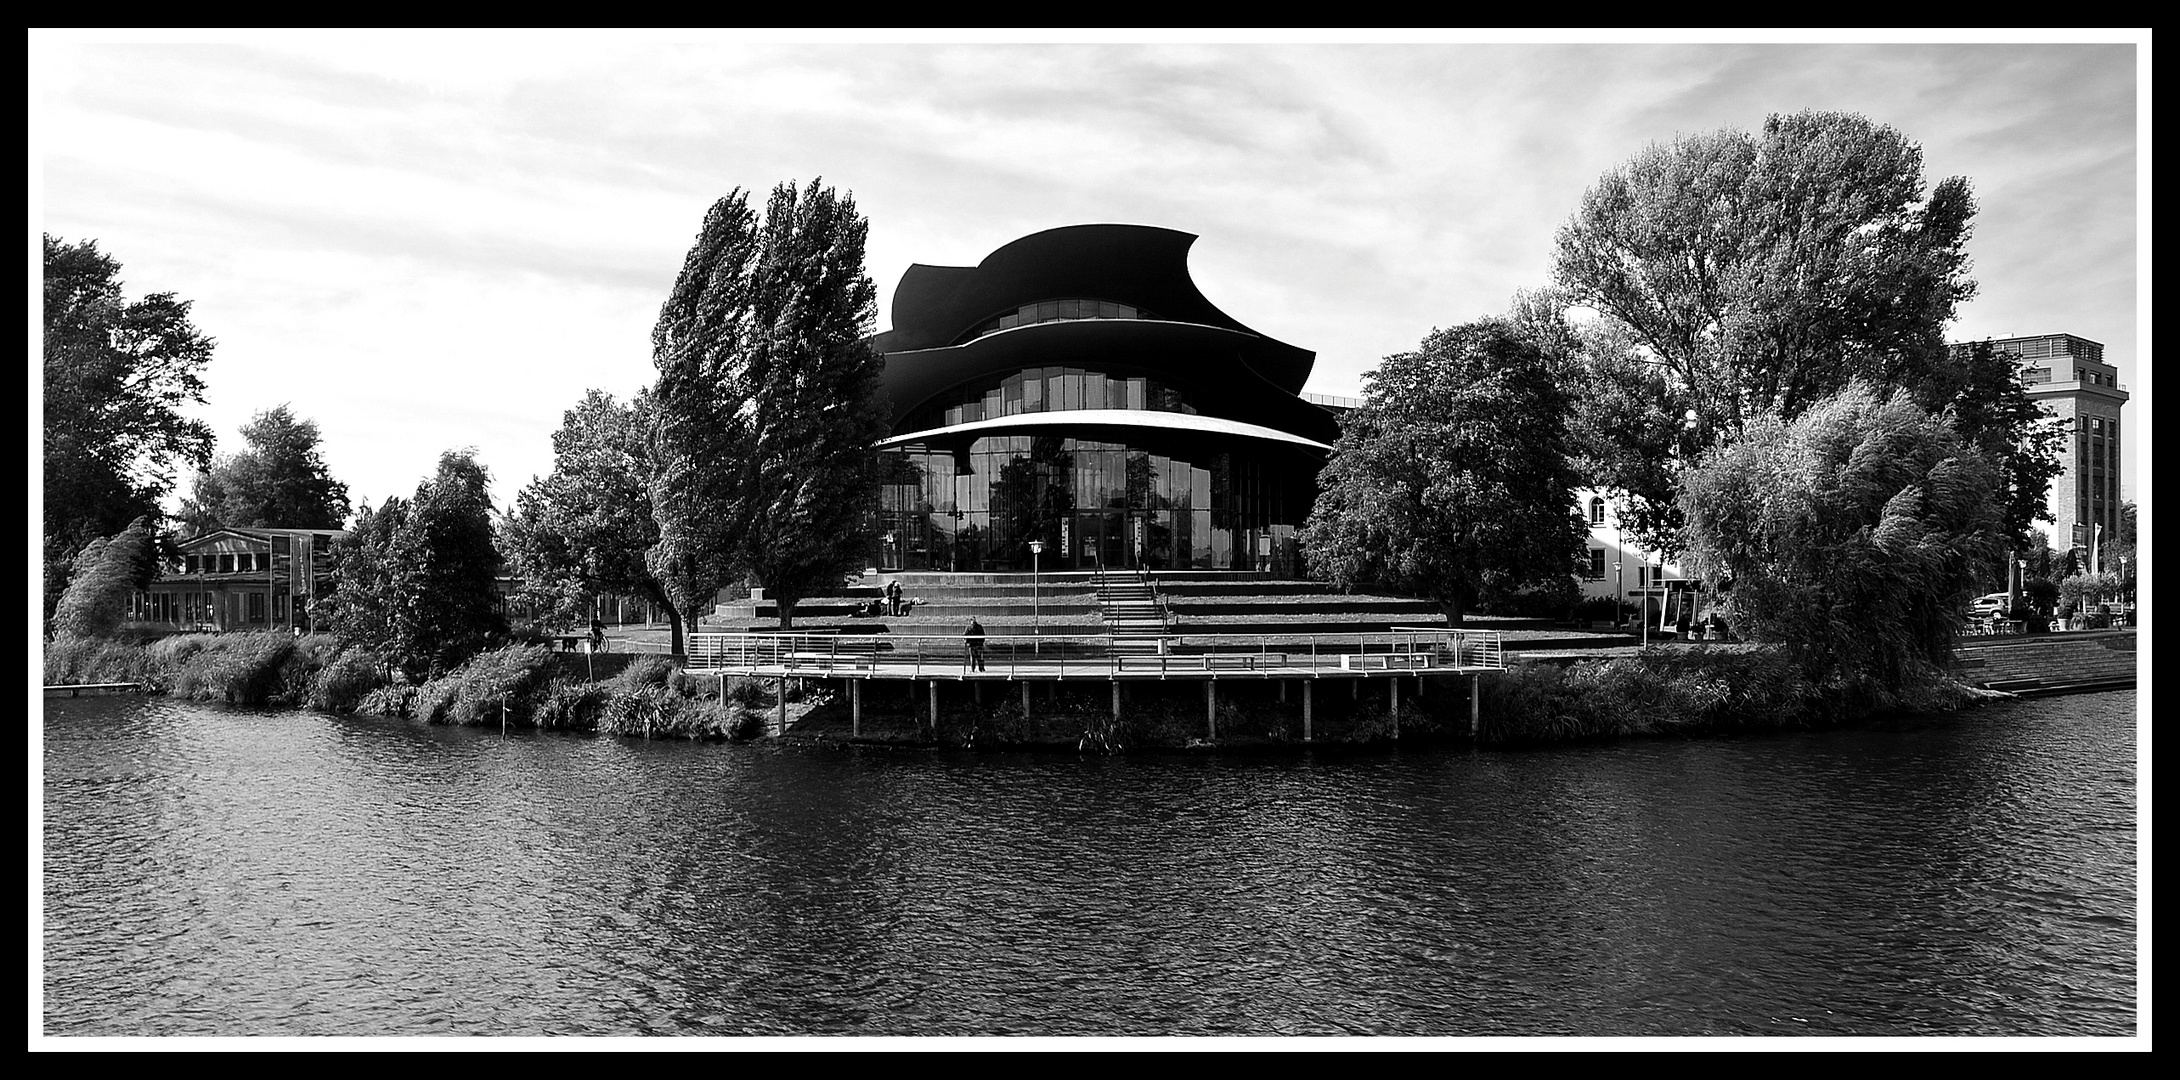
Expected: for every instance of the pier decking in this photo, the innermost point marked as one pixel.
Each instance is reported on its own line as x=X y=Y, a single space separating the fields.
x=1099 y=657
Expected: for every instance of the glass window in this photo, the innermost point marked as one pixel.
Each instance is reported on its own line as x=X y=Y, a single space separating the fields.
x=1597 y=511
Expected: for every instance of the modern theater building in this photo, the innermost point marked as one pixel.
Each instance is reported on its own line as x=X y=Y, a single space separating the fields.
x=1076 y=389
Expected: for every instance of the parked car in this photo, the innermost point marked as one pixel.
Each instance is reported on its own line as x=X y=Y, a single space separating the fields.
x=1989 y=604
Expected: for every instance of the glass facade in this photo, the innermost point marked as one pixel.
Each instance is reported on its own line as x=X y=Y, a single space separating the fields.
x=1197 y=505
x=1046 y=389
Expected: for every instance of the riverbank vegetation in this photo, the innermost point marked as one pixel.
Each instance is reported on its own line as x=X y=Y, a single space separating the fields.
x=528 y=686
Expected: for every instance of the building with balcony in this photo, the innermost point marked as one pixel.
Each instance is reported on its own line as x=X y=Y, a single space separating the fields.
x=239 y=579
x=1077 y=390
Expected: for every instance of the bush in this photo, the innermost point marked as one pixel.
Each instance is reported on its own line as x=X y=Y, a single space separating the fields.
x=341 y=683
x=392 y=699
x=244 y=669
x=570 y=705
x=476 y=692
x=95 y=660
x=1688 y=690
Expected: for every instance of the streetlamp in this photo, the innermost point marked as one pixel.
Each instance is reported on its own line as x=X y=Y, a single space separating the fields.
x=1656 y=583
x=1036 y=594
x=1619 y=600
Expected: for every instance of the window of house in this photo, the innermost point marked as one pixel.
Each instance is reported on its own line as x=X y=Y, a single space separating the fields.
x=1597 y=511
x=1597 y=564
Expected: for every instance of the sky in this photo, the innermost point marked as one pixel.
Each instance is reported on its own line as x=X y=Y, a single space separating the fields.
x=426 y=241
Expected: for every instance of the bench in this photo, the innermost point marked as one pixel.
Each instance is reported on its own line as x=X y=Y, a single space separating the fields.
x=857 y=653
x=1366 y=661
x=1243 y=661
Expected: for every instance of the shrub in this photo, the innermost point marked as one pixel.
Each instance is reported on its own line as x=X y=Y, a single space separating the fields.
x=570 y=705
x=392 y=699
x=339 y=686
x=94 y=660
x=241 y=668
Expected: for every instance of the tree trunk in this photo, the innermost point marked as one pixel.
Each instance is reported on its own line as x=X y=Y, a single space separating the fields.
x=673 y=620
x=1452 y=604
x=787 y=614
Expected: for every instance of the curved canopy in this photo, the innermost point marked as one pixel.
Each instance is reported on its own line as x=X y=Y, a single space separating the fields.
x=1076 y=420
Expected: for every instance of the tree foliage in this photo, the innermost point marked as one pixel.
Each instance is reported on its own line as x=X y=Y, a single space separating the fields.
x=1452 y=480
x=117 y=377
x=1766 y=271
x=1759 y=274
x=278 y=481
x=417 y=579
x=101 y=579
x=1982 y=394
x=768 y=402
x=1852 y=534
x=588 y=527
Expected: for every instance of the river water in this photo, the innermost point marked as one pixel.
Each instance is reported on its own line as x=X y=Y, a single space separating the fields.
x=217 y=871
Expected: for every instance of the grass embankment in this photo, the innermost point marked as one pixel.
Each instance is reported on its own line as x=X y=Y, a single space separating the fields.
x=1678 y=690
x=648 y=697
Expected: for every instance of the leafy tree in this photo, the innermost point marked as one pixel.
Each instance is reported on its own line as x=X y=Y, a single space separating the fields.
x=1982 y=394
x=280 y=481
x=1452 y=480
x=103 y=576
x=1759 y=274
x=587 y=528
x=768 y=402
x=417 y=580
x=1766 y=271
x=1852 y=534
x=376 y=572
x=117 y=375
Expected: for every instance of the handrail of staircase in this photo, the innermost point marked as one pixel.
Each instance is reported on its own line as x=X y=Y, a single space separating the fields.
x=1165 y=614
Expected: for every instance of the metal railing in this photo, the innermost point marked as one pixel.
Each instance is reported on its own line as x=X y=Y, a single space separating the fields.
x=1404 y=651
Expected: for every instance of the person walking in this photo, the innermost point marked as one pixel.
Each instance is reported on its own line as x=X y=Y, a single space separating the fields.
x=975 y=638
x=893 y=598
x=597 y=636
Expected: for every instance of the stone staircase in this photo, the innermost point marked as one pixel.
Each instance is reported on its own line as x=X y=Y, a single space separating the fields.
x=1133 y=614
x=2051 y=663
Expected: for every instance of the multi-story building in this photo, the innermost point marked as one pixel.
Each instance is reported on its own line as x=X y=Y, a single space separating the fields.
x=1617 y=566
x=239 y=579
x=2069 y=377
x=1076 y=390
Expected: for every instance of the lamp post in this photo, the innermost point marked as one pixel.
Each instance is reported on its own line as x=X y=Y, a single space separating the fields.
x=1619 y=600
x=1036 y=594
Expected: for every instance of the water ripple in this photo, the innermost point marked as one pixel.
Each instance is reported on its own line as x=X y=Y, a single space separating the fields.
x=223 y=871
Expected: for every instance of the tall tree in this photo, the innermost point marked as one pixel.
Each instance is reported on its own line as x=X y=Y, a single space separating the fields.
x=768 y=402
x=117 y=375
x=1759 y=274
x=1767 y=271
x=1981 y=393
x=1452 y=480
x=418 y=581
x=1852 y=534
x=278 y=481
x=106 y=571
x=588 y=527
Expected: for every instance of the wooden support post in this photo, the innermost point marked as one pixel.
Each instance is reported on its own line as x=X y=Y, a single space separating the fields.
x=855 y=708
x=1392 y=702
x=1025 y=701
x=1282 y=691
x=1116 y=701
x=1354 y=688
x=1211 y=709
x=934 y=685
x=783 y=705
x=1475 y=702
x=1307 y=686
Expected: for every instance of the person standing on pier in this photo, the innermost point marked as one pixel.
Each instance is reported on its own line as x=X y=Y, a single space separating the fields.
x=975 y=638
